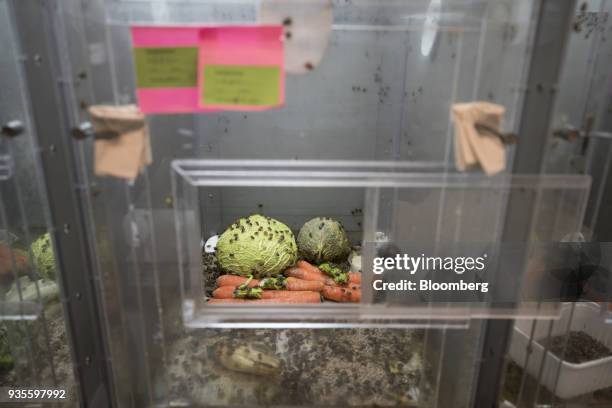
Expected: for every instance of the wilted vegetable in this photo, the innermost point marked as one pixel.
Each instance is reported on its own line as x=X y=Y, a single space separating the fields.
x=335 y=272
x=256 y=245
x=227 y=292
x=279 y=283
x=305 y=271
x=295 y=298
x=245 y=292
x=323 y=239
x=44 y=259
x=246 y=359
x=351 y=293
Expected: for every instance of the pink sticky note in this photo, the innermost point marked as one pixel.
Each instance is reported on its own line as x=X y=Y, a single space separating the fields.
x=166 y=61
x=241 y=68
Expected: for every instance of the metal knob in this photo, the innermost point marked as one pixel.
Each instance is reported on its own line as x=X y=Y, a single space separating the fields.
x=12 y=128
x=82 y=131
x=85 y=130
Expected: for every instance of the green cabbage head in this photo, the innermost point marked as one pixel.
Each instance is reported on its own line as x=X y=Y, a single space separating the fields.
x=323 y=239
x=256 y=245
x=44 y=258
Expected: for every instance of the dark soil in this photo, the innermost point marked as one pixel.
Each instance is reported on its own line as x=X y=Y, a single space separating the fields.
x=330 y=368
x=580 y=347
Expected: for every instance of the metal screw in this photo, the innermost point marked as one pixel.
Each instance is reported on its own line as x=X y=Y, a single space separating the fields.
x=37 y=59
x=78 y=295
x=66 y=228
x=12 y=128
x=87 y=360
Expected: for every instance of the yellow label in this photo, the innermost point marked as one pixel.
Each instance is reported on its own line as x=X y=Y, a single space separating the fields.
x=242 y=85
x=166 y=67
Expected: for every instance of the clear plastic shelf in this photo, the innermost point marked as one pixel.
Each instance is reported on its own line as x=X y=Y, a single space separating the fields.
x=414 y=205
x=457 y=15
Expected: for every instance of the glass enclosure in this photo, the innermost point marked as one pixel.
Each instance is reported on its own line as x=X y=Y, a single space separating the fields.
x=34 y=342
x=376 y=95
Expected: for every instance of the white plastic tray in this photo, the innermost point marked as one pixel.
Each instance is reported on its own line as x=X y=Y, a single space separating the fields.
x=573 y=379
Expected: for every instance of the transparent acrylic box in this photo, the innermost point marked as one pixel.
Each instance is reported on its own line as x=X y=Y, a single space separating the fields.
x=405 y=202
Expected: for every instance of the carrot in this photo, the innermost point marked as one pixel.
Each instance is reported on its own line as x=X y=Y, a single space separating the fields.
x=355 y=277
x=353 y=286
x=309 y=275
x=307 y=266
x=302 y=297
x=227 y=292
x=301 y=284
x=233 y=280
x=352 y=293
x=224 y=292
x=292 y=283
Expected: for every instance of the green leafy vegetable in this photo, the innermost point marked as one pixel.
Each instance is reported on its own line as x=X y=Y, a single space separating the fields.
x=335 y=272
x=279 y=283
x=256 y=245
x=323 y=239
x=44 y=258
x=244 y=292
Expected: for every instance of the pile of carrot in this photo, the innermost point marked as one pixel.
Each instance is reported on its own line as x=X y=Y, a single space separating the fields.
x=312 y=297
x=292 y=283
x=298 y=291
x=305 y=283
x=350 y=292
x=307 y=271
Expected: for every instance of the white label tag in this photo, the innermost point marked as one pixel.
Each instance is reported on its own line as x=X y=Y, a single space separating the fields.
x=307 y=28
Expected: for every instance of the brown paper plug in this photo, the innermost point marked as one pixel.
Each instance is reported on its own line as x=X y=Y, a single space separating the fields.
x=126 y=154
x=474 y=147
